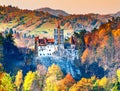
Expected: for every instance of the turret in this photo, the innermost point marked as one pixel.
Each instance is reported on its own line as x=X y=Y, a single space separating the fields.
x=36 y=45
x=59 y=35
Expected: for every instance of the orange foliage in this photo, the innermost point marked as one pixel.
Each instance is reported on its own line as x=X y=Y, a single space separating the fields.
x=116 y=33
x=66 y=83
x=85 y=55
x=83 y=85
x=1 y=75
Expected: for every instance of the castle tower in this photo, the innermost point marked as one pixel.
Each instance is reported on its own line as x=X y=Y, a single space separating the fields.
x=58 y=29
x=36 y=45
x=58 y=35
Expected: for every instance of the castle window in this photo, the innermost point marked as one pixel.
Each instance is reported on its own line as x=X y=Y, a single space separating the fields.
x=49 y=50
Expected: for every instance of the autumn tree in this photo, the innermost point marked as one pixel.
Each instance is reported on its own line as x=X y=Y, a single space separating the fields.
x=100 y=84
x=53 y=75
x=54 y=70
x=116 y=86
x=83 y=85
x=28 y=80
x=18 y=80
x=38 y=83
x=6 y=83
x=65 y=83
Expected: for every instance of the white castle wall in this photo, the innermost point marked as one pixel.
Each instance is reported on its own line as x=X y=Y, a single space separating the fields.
x=47 y=50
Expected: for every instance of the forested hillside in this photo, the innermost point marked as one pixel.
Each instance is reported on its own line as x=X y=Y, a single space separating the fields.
x=101 y=47
x=33 y=22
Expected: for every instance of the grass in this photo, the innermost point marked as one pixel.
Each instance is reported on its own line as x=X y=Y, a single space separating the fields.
x=47 y=29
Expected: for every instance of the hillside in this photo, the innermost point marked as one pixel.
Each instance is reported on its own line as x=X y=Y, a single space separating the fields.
x=30 y=22
x=102 y=46
x=40 y=23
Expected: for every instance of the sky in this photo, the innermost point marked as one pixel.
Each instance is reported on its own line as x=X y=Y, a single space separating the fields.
x=70 y=6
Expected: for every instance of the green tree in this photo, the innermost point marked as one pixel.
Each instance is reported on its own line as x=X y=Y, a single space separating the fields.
x=80 y=37
x=8 y=43
x=1 y=52
x=1 y=47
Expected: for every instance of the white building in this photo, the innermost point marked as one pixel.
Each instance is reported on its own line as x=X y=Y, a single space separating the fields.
x=45 y=47
x=55 y=47
x=47 y=50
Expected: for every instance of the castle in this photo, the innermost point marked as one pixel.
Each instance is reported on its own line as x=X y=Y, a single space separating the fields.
x=47 y=46
x=55 y=46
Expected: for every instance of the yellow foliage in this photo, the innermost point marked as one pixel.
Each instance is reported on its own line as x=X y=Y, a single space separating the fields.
x=74 y=88
x=103 y=82
x=118 y=72
x=96 y=82
x=51 y=84
x=87 y=84
x=53 y=75
x=93 y=78
x=6 y=83
x=55 y=70
x=29 y=78
x=83 y=85
x=18 y=79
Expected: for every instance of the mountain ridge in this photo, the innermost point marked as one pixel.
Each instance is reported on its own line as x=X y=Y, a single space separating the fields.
x=55 y=12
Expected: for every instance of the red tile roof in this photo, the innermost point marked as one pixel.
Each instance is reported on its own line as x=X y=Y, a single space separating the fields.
x=43 y=42
x=50 y=40
x=36 y=38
